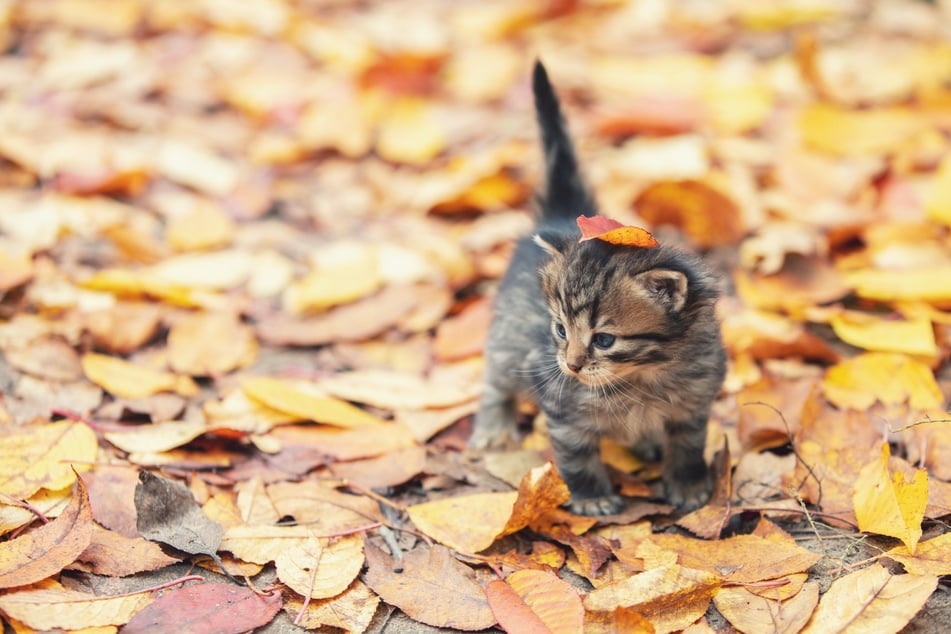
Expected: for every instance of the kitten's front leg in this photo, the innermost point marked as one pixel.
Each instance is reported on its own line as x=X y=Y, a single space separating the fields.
x=686 y=476
x=495 y=422
x=578 y=458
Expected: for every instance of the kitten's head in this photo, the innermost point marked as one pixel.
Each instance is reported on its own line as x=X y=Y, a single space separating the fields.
x=619 y=311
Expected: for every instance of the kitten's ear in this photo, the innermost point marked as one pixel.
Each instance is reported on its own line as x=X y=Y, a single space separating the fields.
x=666 y=285
x=553 y=243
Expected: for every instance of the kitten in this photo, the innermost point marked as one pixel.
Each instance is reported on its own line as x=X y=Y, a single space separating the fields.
x=611 y=341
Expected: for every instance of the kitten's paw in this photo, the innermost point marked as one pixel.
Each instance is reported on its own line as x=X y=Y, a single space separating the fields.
x=493 y=438
x=603 y=505
x=688 y=495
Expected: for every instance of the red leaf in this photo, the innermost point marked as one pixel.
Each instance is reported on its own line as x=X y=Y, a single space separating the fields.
x=614 y=232
x=212 y=608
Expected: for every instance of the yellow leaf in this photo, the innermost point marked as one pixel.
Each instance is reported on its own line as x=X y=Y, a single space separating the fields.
x=264 y=544
x=468 y=523
x=157 y=436
x=43 y=456
x=886 y=504
x=858 y=132
x=390 y=389
x=884 y=376
x=205 y=226
x=321 y=571
x=738 y=108
x=351 y=610
x=332 y=285
x=137 y=284
x=928 y=284
x=410 y=133
x=125 y=379
x=871 y=600
x=59 y=609
x=911 y=336
x=288 y=397
x=931 y=557
x=938 y=197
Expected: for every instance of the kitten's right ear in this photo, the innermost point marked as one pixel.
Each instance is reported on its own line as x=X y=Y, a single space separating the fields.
x=553 y=243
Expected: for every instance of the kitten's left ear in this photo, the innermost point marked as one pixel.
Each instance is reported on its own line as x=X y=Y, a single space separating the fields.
x=665 y=285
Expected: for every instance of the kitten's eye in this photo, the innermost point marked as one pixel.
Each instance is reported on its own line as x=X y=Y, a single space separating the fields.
x=560 y=331
x=603 y=340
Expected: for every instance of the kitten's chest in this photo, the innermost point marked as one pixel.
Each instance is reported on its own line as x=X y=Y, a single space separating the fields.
x=628 y=418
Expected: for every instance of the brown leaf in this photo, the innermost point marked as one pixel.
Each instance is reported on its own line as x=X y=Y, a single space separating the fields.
x=454 y=599
x=208 y=344
x=167 y=513
x=351 y=610
x=115 y=555
x=59 y=609
x=463 y=335
x=49 y=358
x=207 y=608
x=750 y=613
x=45 y=551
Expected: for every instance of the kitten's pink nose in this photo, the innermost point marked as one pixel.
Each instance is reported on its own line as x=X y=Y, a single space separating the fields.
x=574 y=367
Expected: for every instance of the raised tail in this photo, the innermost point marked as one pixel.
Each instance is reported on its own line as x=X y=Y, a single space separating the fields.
x=564 y=196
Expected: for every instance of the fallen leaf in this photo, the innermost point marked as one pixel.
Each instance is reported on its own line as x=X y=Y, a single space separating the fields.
x=352 y=610
x=157 y=436
x=390 y=469
x=536 y=600
x=454 y=598
x=356 y=275
x=613 y=232
x=210 y=343
x=264 y=544
x=319 y=569
x=871 y=600
x=931 y=557
x=126 y=379
x=115 y=555
x=207 y=608
x=204 y=226
x=858 y=132
x=670 y=597
x=167 y=513
x=46 y=550
x=49 y=358
x=882 y=376
x=907 y=336
x=397 y=390
x=409 y=132
x=752 y=614
x=705 y=215
x=741 y=558
x=887 y=504
x=287 y=396
x=463 y=335
x=59 y=609
x=123 y=328
x=468 y=523
x=46 y=456
x=930 y=284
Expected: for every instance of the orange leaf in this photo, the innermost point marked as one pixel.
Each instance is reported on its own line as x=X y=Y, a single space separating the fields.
x=47 y=550
x=614 y=232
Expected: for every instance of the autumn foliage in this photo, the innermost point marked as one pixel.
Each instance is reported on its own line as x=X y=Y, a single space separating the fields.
x=247 y=256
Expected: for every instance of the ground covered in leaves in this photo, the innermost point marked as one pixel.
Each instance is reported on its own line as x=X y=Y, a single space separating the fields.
x=247 y=254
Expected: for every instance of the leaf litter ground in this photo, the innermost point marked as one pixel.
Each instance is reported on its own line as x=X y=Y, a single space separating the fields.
x=247 y=255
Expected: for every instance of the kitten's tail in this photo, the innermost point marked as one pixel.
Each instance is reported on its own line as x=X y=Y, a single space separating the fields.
x=564 y=196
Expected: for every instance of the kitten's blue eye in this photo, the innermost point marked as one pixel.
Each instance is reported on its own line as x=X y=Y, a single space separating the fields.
x=603 y=340
x=560 y=331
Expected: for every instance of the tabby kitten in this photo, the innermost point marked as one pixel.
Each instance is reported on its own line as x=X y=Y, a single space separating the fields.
x=611 y=341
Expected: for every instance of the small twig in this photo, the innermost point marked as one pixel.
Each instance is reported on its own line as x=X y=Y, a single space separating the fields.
x=376 y=497
x=310 y=591
x=792 y=446
x=162 y=586
x=69 y=414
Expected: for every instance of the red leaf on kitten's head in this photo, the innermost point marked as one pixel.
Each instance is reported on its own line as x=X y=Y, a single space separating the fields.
x=614 y=232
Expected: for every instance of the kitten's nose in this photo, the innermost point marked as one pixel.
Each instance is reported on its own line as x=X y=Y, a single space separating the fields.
x=574 y=367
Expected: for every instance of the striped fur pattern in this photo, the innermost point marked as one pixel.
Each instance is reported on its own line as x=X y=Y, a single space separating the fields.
x=610 y=341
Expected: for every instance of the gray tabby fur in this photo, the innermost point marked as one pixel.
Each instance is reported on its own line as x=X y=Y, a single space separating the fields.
x=610 y=341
